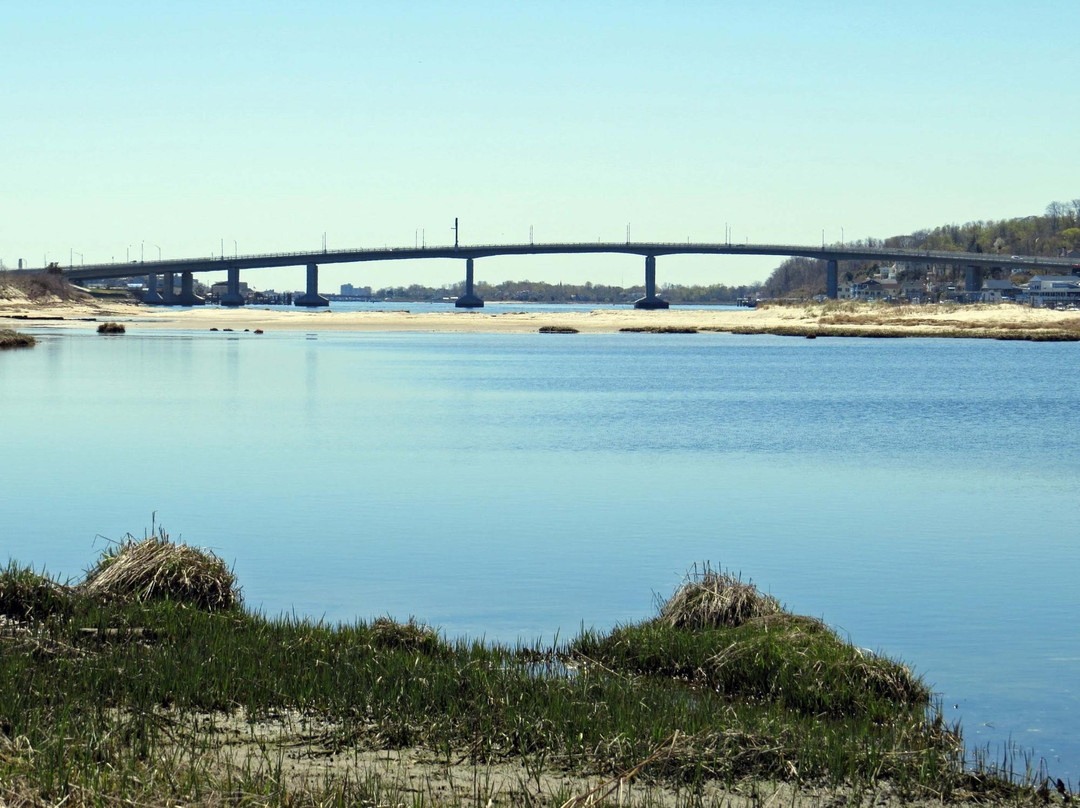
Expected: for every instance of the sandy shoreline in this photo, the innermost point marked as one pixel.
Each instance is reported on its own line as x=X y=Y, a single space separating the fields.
x=835 y=319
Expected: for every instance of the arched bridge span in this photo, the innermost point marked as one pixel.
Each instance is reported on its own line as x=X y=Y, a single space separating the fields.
x=471 y=253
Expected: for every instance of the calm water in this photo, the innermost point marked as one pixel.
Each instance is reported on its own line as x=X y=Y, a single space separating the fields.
x=490 y=307
x=919 y=495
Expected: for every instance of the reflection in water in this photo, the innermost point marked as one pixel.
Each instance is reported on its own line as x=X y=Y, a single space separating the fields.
x=311 y=380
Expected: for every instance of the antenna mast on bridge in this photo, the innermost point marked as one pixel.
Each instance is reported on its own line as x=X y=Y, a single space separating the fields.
x=455 y=233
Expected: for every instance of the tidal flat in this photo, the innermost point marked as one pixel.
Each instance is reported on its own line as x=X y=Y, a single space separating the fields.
x=833 y=319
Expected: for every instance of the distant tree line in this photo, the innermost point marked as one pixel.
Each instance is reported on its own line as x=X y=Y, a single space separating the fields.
x=543 y=292
x=1053 y=234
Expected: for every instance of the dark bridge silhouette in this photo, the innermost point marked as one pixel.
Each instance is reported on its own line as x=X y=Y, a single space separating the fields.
x=974 y=262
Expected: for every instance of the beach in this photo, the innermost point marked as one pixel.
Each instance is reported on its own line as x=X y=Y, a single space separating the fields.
x=836 y=318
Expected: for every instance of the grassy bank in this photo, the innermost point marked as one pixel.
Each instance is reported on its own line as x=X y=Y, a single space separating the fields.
x=39 y=287
x=148 y=683
x=949 y=320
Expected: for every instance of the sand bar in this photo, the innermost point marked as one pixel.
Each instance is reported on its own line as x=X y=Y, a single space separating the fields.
x=830 y=319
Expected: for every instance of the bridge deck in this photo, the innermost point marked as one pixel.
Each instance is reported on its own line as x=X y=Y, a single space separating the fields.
x=829 y=253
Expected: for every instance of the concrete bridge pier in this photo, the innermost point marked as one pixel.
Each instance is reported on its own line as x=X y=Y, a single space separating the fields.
x=168 y=290
x=152 y=296
x=650 y=301
x=187 y=291
x=469 y=300
x=973 y=279
x=311 y=297
x=232 y=296
x=831 y=271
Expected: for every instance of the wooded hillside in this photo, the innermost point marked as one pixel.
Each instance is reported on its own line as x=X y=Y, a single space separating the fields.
x=1052 y=234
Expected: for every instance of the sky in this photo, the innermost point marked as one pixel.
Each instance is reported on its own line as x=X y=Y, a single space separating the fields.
x=142 y=129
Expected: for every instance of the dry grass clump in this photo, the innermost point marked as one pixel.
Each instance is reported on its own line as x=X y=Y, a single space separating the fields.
x=156 y=568
x=557 y=329
x=714 y=599
x=13 y=339
x=111 y=328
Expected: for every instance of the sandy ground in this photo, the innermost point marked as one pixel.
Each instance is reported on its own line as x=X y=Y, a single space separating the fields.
x=835 y=319
x=302 y=752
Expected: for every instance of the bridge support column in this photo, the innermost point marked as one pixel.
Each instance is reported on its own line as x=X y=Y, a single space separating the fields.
x=311 y=297
x=831 y=271
x=650 y=301
x=232 y=296
x=168 y=290
x=973 y=279
x=187 y=291
x=152 y=296
x=469 y=300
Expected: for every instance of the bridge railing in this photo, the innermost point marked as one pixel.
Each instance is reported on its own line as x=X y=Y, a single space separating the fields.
x=833 y=252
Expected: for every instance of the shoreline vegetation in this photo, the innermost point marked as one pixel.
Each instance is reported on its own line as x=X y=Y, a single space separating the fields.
x=13 y=339
x=149 y=683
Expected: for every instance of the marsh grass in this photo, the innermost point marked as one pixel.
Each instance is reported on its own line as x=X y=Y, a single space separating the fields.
x=850 y=318
x=893 y=332
x=111 y=328
x=659 y=329
x=14 y=339
x=122 y=700
x=557 y=329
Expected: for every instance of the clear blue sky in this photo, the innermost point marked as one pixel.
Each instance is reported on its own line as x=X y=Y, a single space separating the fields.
x=133 y=126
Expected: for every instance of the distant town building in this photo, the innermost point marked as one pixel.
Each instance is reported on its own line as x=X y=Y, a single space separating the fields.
x=914 y=291
x=222 y=288
x=995 y=291
x=1051 y=291
x=348 y=290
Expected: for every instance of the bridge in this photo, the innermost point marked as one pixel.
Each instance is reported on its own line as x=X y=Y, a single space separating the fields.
x=650 y=251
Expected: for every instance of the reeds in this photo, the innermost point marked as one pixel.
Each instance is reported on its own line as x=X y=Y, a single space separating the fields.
x=111 y=328
x=711 y=599
x=156 y=568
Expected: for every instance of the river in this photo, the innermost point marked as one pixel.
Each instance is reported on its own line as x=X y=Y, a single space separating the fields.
x=919 y=495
